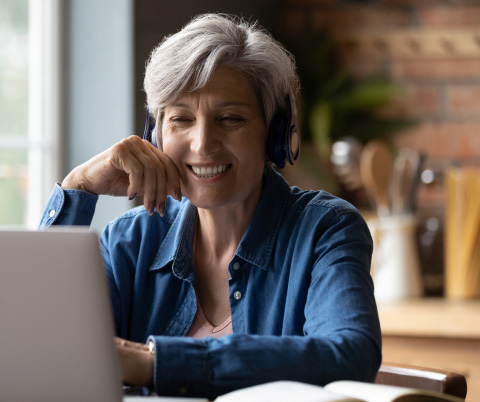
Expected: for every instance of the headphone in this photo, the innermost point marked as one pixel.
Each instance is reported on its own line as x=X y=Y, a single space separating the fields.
x=283 y=142
x=149 y=133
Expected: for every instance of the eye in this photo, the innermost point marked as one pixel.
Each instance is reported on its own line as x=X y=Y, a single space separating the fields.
x=180 y=119
x=229 y=119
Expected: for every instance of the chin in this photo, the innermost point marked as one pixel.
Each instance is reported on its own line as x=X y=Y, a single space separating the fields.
x=211 y=201
x=207 y=204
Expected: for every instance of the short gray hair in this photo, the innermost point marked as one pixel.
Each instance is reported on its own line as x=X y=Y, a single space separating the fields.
x=186 y=60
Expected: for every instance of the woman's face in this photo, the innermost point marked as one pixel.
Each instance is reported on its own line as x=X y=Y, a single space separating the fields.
x=216 y=137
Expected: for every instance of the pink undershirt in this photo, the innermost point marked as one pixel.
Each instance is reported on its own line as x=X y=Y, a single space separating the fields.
x=201 y=328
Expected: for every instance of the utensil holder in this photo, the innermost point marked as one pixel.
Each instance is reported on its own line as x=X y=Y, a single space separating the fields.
x=395 y=263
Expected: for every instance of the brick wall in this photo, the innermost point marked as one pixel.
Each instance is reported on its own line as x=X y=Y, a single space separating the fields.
x=431 y=48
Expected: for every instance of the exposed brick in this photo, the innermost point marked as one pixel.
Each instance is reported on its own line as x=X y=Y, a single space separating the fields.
x=463 y=101
x=433 y=86
x=436 y=70
x=453 y=141
x=414 y=101
x=450 y=16
x=365 y=68
x=399 y=3
x=313 y=2
x=360 y=17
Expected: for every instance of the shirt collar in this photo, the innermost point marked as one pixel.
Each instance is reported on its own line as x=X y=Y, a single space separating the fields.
x=177 y=244
x=257 y=243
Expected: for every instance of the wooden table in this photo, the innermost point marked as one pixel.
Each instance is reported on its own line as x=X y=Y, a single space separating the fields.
x=434 y=333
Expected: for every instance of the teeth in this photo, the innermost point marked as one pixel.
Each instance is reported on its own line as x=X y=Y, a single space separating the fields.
x=209 y=171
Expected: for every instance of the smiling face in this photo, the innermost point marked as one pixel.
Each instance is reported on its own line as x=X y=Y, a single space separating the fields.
x=216 y=137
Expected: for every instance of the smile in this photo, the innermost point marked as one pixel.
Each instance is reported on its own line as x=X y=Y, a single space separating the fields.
x=209 y=171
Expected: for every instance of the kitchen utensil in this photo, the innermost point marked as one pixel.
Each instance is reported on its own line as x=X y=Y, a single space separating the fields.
x=345 y=158
x=376 y=163
x=404 y=181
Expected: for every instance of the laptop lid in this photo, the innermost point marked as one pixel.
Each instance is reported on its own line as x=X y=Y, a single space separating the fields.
x=56 y=327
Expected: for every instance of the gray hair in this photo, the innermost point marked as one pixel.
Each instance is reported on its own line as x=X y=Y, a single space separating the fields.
x=186 y=60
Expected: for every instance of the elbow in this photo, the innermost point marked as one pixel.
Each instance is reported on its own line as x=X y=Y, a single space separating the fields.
x=373 y=364
x=361 y=358
x=366 y=361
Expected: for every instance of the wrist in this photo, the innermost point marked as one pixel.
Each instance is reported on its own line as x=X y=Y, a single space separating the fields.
x=73 y=182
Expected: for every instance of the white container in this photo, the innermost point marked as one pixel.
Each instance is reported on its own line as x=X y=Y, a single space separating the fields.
x=395 y=263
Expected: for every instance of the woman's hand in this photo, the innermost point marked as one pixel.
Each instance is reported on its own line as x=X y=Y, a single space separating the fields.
x=136 y=361
x=129 y=168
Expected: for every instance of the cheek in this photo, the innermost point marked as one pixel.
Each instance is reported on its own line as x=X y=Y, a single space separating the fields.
x=258 y=147
x=170 y=145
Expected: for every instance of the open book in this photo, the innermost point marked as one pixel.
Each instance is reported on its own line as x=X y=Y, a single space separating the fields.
x=338 y=391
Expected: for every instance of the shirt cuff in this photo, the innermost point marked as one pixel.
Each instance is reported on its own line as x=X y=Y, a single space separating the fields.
x=181 y=366
x=68 y=207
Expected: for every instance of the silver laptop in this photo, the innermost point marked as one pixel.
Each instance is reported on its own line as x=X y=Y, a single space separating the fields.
x=56 y=326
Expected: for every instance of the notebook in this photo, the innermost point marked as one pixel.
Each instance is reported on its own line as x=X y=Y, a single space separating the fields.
x=56 y=326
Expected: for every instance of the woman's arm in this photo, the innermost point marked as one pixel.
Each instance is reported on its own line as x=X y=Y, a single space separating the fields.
x=137 y=362
x=317 y=323
x=68 y=207
x=129 y=168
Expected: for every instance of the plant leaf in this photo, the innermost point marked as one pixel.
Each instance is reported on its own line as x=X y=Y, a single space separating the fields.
x=320 y=123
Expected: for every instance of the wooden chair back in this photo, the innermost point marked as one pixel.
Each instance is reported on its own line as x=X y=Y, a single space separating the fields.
x=410 y=376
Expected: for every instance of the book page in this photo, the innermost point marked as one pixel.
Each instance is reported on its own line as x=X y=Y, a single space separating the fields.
x=387 y=393
x=284 y=391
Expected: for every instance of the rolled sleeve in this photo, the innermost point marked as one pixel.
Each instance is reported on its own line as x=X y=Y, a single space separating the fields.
x=68 y=207
x=181 y=365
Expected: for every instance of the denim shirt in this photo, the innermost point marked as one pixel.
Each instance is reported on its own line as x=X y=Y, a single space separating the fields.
x=301 y=295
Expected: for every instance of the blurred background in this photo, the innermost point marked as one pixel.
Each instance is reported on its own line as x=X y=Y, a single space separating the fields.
x=403 y=75
x=403 y=71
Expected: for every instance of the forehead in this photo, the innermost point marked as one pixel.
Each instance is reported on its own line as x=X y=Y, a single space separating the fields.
x=225 y=86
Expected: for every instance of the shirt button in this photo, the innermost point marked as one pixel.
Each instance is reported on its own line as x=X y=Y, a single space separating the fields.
x=237 y=295
x=236 y=266
x=52 y=213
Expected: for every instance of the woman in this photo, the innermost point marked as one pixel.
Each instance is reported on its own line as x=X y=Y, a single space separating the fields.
x=243 y=280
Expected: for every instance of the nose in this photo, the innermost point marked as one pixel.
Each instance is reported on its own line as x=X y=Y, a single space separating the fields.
x=205 y=139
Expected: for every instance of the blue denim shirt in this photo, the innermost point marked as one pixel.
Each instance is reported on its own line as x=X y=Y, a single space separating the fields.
x=301 y=295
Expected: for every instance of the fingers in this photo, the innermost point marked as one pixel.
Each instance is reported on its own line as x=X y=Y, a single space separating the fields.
x=150 y=172
x=136 y=362
x=164 y=180
x=123 y=343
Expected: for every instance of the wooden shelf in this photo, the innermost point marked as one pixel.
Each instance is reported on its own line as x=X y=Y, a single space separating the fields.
x=432 y=317
x=435 y=333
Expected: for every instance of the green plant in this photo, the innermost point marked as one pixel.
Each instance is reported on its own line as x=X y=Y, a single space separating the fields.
x=334 y=104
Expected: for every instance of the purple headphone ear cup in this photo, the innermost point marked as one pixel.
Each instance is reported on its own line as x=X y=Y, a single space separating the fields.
x=153 y=137
x=149 y=134
x=283 y=141
x=276 y=140
x=292 y=145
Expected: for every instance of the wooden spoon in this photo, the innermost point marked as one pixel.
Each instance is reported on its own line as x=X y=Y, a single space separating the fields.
x=376 y=163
